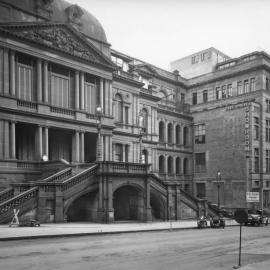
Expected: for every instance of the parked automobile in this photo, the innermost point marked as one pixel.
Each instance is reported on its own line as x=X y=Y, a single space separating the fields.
x=202 y=222
x=255 y=218
x=217 y=222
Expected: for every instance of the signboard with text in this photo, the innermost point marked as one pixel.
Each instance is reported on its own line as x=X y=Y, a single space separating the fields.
x=253 y=196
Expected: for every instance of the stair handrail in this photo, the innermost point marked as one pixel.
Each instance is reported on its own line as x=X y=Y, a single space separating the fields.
x=153 y=175
x=5 y=204
x=78 y=177
x=57 y=176
x=6 y=194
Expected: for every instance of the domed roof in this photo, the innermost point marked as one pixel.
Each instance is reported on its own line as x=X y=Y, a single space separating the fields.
x=56 y=11
x=90 y=26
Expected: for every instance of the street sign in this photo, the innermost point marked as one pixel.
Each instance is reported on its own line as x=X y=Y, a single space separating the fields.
x=253 y=196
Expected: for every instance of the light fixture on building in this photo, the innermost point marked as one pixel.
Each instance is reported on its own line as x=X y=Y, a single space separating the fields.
x=44 y=158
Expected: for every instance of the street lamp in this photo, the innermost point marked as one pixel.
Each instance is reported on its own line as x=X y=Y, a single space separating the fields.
x=218 y=186
x=141 y=126
x=99 y=145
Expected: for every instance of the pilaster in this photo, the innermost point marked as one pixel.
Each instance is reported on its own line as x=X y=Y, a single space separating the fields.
x=12 y=73
x=39 y=80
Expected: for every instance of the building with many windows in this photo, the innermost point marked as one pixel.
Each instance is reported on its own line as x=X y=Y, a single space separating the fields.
x=88 y=133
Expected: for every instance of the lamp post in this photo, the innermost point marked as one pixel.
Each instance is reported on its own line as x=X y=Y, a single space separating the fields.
x=99 y=116
x=218 y=186
x=140 y=124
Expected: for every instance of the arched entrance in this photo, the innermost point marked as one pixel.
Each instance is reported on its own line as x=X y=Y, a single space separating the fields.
x=84 y=208
x=158 y=207
x=128 y=204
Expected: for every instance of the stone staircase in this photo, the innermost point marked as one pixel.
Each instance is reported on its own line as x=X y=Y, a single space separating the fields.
x=25 y=196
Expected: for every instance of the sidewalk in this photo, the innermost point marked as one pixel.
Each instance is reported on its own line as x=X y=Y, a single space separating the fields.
x=78 y=229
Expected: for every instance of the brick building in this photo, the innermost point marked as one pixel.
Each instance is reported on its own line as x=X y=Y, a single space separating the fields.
x=89 y=133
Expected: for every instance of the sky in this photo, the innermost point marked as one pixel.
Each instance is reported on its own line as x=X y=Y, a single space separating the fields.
x=161 y=31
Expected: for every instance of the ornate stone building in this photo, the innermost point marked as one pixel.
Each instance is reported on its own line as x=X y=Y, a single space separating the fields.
x=90 y=134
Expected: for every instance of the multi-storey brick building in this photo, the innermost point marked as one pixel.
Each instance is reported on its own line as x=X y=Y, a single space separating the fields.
x=88 y=133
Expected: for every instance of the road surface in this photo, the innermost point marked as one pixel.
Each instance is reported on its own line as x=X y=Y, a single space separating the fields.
x=183 y=249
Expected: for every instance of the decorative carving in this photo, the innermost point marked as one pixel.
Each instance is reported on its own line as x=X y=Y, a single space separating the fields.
x=59 y=38
x=44 y=8
x=74 y=15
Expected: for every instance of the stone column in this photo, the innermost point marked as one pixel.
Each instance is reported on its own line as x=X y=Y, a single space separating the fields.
x=181 y=139
x=166 y=132
x=59 y=204
x=77 y=90
x=124 y=152
x=178 y=212
x=12 y=140
x=45 y=81
x=12 y=73
x=82 y=147
x=173 y=133
x=110 y=158
x=82 y=90
x=6 y=72
x=6 y=140
x=169 y=202
x=110 y=210
x=101 y=91
x=39 y=80
x=75 y=147
x=39 y=143
x=148 y=209
x=46 y=141
x=100 y=200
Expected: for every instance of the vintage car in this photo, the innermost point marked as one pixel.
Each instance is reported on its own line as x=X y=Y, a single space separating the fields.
x=217 y=222
x=202 y=222
x=255 y=218
x=29 y=223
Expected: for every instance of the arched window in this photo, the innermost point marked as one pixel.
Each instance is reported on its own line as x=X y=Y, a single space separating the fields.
x=170 y=133
x=161 y=131
x=170 y=165
x=186 y=134
x=161 y=163
x=145 y=119
x=178 y=165
x=186 y=166
x=177 y=134
x=145 y=156
x=118 y=108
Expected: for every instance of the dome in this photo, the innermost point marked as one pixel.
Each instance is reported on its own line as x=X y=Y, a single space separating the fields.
x=90 y=26
x=54 y=10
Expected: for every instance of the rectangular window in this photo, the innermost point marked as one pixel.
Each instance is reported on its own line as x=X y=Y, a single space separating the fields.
x=256 y=160
x=193 y=59
x=239 y=88
x=267 y=84
x=267 y=130
x=90 y=91
x=194 y=98
x=223 y=91
x=245 y=86
x=205 y=96
x=267 y=105
x=200 y=134
x=256 y=128
x=200 y=163
x=118 y=152
x=252 y=84
x=25 y=82
x=229 y=90
x=267 y=160
x=59 y=90
x=218 y=93
x=182 y=98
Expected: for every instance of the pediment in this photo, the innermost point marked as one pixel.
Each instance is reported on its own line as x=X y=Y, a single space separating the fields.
x=60 y=37
x=146 y=69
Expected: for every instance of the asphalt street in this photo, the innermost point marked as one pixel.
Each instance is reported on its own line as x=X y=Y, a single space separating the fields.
x=180 y=249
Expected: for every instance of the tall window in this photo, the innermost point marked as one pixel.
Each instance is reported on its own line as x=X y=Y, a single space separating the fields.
x=185 y=136
x=205 y=96
x=185 y=166
x=239 y=88
x=177 y=134
x=161 y=163
x=256 y=128
x=252 y=84
x=170 y=165
x=118 y=152
x=267 y=85
x=90 y=97
x=223 y=89
x=182 y=98
x=60 y=90
x=218 y=93
x=267 y=130
x=161 y=131
x=267 y=160
x=145 y=119
x=256 y=160
x=170 y=133
x=229 y=90
x=245 y=86
x=194 y=98
x=178 y=165
x=118 y=108
x=200 y=134
x=267 y=101
x=200 y=163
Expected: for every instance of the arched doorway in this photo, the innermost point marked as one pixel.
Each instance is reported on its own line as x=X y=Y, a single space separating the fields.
x=158 y=207
x=83 y=208
x=128 y=204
